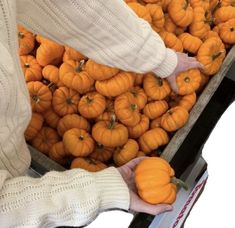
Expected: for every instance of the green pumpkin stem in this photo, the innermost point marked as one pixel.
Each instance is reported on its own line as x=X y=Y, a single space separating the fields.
x=179 y=182
x=80 y=66
x=21 y=35
x=69 y=101
x=112 y=122
x=89 y=100
x=216 y=55
x=134 y=107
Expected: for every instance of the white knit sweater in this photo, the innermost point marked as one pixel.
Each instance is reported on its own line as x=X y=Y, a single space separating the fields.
x=106 y=31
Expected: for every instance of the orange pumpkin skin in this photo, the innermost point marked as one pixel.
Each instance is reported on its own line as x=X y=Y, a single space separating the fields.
x=224 y=14
x=45 y=139
x=210 y=34
x=108 y=112
x=48 y=52
x=155 y=123
x=181 y=12
x=227 y=31
x=40 y=96
x=190 y=43
x=136 y=131
x=152 y=139
x=200 y=25
x=78 y=142
x=171 y=41
x=51 y=118
x=126 y=153
x=205 y=4
x=26 y=41
x=156 y=88
x=102 y=153
x=141 y=11
x=70 y=121
x=139 y=96
x=204 y=80
x=110 y=134
x=169 y=25
x=51 y=73
x=153 y=181
x=58 y=153
x=65 y=101
x=92 y=105
x=157 y=15
x=155 y=109
x=174 y=118
x=99 y=71
x=88 y=164
x=34 y=126
x=188 y=81
x=31 y=69
x=140 y=154
x=211 y=54
x=72 y=54
x=116 y=85
x=127 y=110
x=74 y=77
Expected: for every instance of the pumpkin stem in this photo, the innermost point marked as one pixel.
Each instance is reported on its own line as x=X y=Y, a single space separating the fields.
x=159 y=81
x=232 y=29
x=89 y=100
x=26 y=65
x=80 y=66
x=21 y=35
x=112 y=122
x=99 y=146
x=187 y=79
x=69 y=101
x=216 y=55
x=36 y=99
x=81 y=137
x=91 y=161
x=134 y=107
x=185 y=5
x=179 y=182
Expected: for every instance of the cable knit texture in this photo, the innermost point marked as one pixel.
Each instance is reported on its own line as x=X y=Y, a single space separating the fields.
x=106 y=31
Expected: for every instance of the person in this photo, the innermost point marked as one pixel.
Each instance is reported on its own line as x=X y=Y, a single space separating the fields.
x=109 y=33
x=214 y=208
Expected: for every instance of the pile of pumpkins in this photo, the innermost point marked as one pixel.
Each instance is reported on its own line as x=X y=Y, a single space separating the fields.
x=92 y=116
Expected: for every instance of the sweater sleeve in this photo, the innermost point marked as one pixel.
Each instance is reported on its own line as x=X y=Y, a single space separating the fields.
x=106 y=31
x=70 y=198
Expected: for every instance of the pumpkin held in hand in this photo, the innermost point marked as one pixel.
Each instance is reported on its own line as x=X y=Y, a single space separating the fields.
x=155 y=181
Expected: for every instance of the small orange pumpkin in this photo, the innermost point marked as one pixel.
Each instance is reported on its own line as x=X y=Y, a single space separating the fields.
x=88 y=164
x=108 y=112
x=51 y=74
x=92 y=105
x=110 y=133
x=34 y=126
x=155 y=123
x=211 y=54
x=65 y=101
x=51 y=118
x=127 y=152
x=40 y=96
x=155 y=181
x=99 y=71
x=224 y=13
x=188 y=81
x=155 y=87
x=31 y=68
x=171 y=41
x=205 y=4
x=70 y=121
x=181 y=12
x=74 y=77
x=174 y=118
x=78 y=142
x=26 y=41
x=190 y=43
x=127 y=110
x=139 y=129
x=155 y=109
x=141 y=11
x=139 y=96
x=116 y=85
x=102 y=153
x=152 y=139
x=48 y=52
x=45 y=139
x=227 y=31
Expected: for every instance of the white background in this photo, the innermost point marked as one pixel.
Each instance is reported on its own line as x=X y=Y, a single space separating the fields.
x=215 y=207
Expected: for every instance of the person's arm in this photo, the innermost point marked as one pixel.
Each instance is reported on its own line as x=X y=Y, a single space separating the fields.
x=105 y=31
x=70 y=198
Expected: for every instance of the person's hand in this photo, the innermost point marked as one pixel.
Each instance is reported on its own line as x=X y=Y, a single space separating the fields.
x=137 y=204
x=184 y=63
